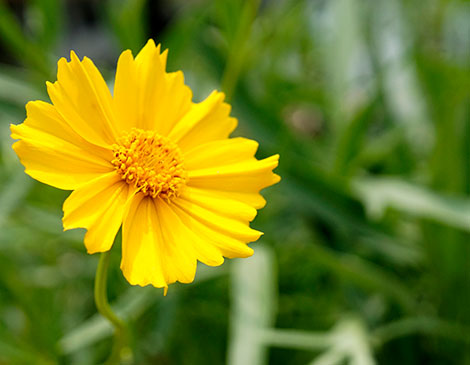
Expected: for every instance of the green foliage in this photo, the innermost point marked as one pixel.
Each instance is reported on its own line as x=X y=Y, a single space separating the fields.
x=365 y=257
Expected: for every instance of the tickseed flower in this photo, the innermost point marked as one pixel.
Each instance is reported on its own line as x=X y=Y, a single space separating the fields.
x=149 y=159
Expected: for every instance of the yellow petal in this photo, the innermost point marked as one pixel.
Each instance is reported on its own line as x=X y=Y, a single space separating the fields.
x=141 y=261
x=249 y=176
x=203 y=250
x=145 y=95
x=53 y=153
x=224 y=224
x=43 y=117
x=178 y=252
x=227 y=152
x=221 y=152
x=254 y=200
x=83 y=99
x=154 y=251
x=227 y=243
x=125 y=101
x=205 y=122
x=99 y=207
x=219 y=204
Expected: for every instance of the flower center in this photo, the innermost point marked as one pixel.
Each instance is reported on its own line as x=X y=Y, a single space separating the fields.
x=151 y=163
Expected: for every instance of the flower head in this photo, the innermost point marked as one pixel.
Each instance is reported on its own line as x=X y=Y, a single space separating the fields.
x=149 y=159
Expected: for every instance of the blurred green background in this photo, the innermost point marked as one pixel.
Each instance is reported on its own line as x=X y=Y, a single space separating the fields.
x=366 y=253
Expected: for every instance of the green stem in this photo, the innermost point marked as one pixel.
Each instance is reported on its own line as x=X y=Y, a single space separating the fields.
x=428 y=326
x=101 y=299
x=236 y=54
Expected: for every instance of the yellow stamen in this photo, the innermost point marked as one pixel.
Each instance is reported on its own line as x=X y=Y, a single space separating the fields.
x=151 y=163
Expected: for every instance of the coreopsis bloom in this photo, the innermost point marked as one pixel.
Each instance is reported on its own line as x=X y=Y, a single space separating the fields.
x=149 y=159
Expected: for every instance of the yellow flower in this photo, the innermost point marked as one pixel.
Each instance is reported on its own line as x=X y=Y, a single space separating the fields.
x=148 y=158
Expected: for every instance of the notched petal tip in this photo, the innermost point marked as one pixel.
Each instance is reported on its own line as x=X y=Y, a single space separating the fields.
x=150 y=47
x=150 y=43
x=142 y=282
x=30 y=104
x=91 y=247
x=125 y=55
x=273 y=160
x=91 y=251
x=249 y=252
x=274 y=163
x=276 y=177
x=234 y=123
x=218 y=96
x=51 y=87
x=164 y=57
x=73 y=56
x=258 y=233
x=15 y=133
x=66 y=225
x=61 y=62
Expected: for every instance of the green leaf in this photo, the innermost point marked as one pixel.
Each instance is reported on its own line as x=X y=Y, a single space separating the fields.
x=379 y=194
x=128 y=20
x=129 y=307
x=254 y=302
x=26 y=50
